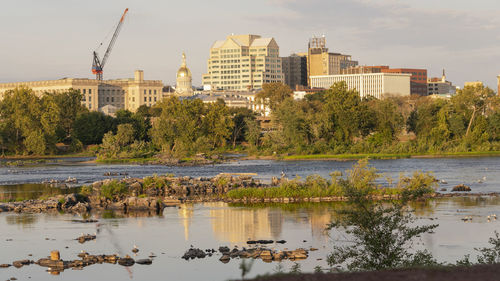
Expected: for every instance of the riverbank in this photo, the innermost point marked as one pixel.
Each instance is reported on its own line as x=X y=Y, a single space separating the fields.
x=445 y=273
x=341 y=157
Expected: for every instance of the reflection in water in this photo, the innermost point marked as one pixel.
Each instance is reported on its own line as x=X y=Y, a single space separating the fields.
x=186 y=214
x=236 y=225
x=26 y=220
x=19 y=192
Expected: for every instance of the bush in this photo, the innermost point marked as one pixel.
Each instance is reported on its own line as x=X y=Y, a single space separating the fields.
x=113 y=189
x=86 y=190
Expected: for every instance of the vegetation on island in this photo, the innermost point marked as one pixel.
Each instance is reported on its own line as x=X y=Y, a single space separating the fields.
x=334 y=123
x=315 y=186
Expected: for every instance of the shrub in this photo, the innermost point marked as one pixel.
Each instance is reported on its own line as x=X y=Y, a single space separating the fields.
x=113 y=189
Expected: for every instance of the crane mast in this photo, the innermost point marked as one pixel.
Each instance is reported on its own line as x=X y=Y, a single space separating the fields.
x=98 y=64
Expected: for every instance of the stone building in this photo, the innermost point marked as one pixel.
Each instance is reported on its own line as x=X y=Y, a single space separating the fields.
x=106 y=95
x=242 y=63
x=184 y=86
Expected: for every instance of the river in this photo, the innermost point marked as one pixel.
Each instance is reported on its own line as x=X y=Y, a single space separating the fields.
x=211 y=225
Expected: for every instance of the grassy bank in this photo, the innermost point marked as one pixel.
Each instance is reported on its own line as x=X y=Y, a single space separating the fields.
x=390 y=156
x=126 y=160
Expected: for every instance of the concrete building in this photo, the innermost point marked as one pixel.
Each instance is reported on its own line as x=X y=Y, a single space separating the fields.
x=295 y=70
x=321 y=62
x=184 y=85
x=418 y=80
x=242 y=99
x=97 y=95
x=440 y=86
x=242 y=63
x=474 y=84
x=361 y=69
x=376 y=85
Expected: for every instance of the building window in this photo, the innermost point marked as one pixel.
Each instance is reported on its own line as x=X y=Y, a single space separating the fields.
x=107 y=99
x=112 y=99
x=150 y=92
x=84 y=91
x=149 y=99
x=155 y=99
x=90 y=91
x=90 y=98
x=145 y=99
x=144 y=91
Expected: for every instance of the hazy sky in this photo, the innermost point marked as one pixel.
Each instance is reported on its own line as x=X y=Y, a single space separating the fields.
x=52 y=39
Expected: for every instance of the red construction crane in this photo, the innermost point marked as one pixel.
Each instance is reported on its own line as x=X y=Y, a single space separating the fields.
x=98 y=65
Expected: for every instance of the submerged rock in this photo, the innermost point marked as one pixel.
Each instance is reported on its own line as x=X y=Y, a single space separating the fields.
x=84 y=238
x=144 y=261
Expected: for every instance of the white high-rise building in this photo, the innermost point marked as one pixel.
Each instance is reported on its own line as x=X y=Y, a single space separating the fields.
x=242 y=63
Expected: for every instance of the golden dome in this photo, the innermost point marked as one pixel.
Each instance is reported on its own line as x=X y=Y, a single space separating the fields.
x=183 y=70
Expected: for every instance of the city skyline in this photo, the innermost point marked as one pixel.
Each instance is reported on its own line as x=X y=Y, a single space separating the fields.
x=51 y=41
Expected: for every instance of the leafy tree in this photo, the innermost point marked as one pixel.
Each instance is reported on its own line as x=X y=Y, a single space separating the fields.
x=241 y=116
x=90 y=127
x=273 y=94
x=382 y=233
x=218 y=124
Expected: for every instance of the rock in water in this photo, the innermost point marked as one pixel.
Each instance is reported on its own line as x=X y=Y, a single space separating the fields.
x=225 y=258
x=461 y=187
x=144 y=261
x=126 y=261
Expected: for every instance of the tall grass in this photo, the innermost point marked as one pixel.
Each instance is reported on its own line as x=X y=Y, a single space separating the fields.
x=360 y=176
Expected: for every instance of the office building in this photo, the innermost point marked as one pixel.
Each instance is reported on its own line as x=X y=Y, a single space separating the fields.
x=295 y=70
x=440 y=86
x=376 y=85
x=418 y=80
x=242 y=63
x=321 y=62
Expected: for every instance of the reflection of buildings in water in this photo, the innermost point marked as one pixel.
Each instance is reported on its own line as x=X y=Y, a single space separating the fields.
x=319 y=223
x=236 y=225
x=186 y=213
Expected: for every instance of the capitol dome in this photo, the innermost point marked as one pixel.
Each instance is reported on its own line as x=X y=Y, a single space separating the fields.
x=184 y=79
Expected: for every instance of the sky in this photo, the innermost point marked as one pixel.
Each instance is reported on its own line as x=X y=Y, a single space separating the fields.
x=52 y=39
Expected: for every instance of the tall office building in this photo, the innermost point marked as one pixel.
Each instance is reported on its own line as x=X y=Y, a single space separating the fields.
x=243 y=62
x=295 y=70
x=321 y=62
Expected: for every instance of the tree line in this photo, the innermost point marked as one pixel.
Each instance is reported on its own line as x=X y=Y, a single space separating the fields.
x=332 y=121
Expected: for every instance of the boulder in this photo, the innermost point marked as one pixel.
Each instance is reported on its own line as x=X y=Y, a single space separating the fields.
x=225 y=258
x=21 y=263
x=461 y=187
x=126 y=261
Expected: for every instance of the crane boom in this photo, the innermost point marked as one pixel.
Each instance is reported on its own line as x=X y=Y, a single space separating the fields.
x=97 y=64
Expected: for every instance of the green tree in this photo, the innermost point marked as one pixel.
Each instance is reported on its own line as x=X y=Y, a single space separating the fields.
x=381 y=233
x=273 y=94
x=90 y=127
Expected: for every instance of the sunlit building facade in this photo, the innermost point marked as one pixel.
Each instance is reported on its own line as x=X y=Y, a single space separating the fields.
x=242 y=63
